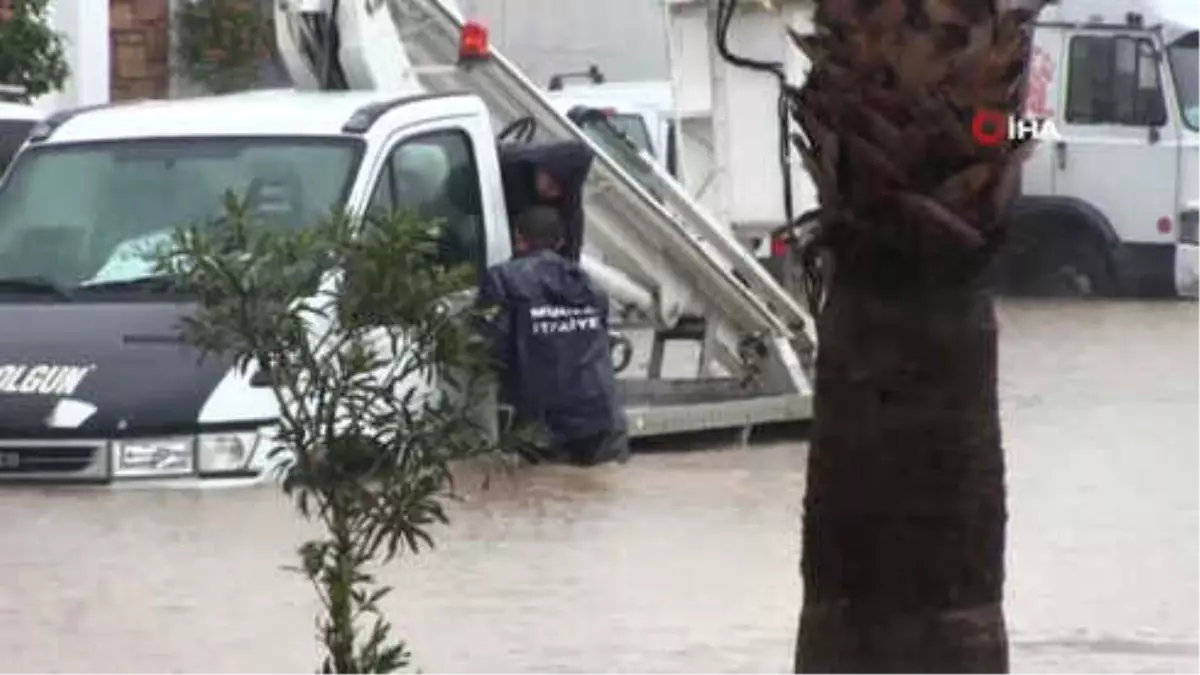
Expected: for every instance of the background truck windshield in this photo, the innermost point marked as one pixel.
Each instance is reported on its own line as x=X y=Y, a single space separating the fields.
x=634 y=128
x=631 y=126
x=1185 y=64
x=90 y=213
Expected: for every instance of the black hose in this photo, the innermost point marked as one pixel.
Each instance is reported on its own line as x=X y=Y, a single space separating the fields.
x=520 y=130
x=725 y=12
x=332 y=43
x=320 y=41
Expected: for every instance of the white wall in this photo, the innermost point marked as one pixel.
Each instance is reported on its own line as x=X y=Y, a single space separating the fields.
x=84 y=26
x=625 y=38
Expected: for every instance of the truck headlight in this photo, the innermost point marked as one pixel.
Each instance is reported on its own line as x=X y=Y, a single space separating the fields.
x=154 y=457
x=182 y=455
x=1187 y=226
x=218 y=453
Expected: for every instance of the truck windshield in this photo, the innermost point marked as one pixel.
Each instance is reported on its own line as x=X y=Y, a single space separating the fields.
x=95 y=213
x=1185 y=65
x=634 y=128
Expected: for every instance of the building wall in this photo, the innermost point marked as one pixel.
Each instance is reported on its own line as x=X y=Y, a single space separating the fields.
x=625 y=38
x=139 y=38
x=84 y=27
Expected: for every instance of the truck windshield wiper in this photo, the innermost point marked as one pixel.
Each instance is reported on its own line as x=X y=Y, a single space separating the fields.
x=34 y=284
x=155 y=282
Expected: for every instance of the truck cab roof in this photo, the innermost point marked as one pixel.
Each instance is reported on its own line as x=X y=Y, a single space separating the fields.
x=622 y=95
x=277 y=112
x=1175 y=17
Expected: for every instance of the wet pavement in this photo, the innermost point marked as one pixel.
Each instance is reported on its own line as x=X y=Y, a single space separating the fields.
x=675 y=562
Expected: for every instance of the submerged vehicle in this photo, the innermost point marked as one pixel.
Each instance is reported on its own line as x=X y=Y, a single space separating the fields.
x=96 y=383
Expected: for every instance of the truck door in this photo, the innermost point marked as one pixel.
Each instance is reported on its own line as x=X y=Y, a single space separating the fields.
x=1044 y=81
x=1119 y=143
x=434 y=170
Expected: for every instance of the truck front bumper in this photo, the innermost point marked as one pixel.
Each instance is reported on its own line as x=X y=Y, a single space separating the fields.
x=165 y=461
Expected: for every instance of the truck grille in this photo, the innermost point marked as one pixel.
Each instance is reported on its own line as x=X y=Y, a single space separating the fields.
x=30 y=460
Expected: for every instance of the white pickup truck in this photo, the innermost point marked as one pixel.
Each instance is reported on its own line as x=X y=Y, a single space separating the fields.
x=95 y=382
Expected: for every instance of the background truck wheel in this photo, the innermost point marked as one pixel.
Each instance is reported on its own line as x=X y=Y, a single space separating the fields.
x=1074 y=268
x=1057 y=264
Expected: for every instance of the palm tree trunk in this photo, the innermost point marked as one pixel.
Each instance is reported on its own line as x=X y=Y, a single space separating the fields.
x=904 y=523
x=904 y=511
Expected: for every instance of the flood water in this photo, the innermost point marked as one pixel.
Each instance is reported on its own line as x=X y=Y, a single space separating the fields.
x=677 y=562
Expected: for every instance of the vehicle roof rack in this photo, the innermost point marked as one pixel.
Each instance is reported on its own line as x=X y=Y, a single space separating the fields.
x=593 y=74
x=12 y=93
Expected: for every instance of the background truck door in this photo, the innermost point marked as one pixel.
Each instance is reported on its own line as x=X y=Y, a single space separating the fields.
x=1120 y=140
x=1041 y=102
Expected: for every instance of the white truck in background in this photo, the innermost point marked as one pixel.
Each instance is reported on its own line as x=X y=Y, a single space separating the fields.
x=643 y=112
x=1110 y=209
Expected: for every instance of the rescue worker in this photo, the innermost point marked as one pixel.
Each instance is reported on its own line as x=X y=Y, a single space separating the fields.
x=548 y=328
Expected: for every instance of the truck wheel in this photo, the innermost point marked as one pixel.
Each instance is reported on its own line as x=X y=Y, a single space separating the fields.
x=1073 y=268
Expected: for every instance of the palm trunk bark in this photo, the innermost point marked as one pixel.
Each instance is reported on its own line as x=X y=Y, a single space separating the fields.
x=904 y=521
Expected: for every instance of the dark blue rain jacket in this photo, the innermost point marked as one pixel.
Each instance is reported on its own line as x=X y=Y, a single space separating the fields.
x=549 y=333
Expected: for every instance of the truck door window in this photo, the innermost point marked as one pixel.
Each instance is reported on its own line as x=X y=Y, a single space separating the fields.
x=383 y=199
x=1114 y=80
x=12 y=135
x=434 y=176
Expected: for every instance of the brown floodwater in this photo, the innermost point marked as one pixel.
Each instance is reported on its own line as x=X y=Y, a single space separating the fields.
x=674 y=562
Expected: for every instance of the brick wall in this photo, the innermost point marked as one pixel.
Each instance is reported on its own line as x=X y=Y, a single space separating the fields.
x=139 y=37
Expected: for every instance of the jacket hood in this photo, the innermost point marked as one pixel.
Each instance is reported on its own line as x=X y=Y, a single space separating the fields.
x=101 y=369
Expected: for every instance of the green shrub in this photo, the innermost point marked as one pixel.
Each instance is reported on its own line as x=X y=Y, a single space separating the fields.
x=361 y=343
x=31 y=51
